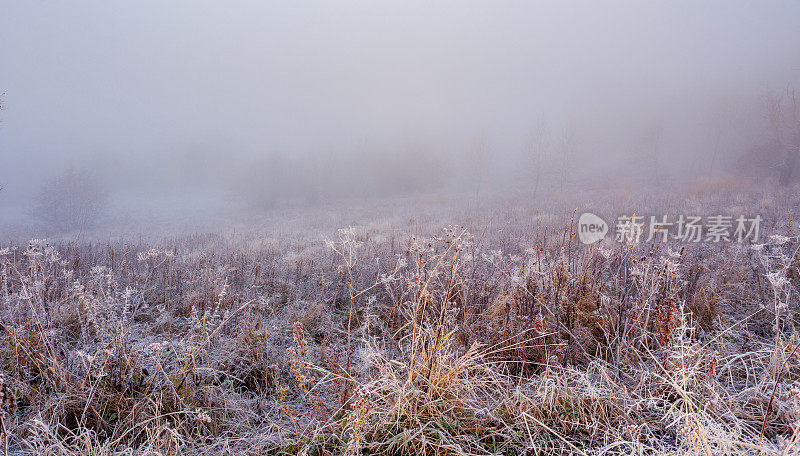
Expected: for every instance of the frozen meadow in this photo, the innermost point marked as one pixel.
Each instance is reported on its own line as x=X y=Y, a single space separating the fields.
x=407 y=334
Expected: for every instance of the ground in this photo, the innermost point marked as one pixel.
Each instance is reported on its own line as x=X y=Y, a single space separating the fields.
x=427 y=327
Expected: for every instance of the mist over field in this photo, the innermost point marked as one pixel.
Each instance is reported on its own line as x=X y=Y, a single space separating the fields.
x=188 y=109
x=406 y=228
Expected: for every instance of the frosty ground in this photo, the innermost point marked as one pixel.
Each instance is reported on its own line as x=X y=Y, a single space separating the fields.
x=428 y=326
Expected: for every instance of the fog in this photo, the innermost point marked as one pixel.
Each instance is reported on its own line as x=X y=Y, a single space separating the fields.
x=203 y=106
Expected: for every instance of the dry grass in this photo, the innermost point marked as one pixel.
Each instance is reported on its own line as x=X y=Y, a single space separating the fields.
x=374 y=345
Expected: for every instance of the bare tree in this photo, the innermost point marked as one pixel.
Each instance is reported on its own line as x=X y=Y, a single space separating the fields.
x=567 y=154
x=478 y=155
x=783 y=113
x=71 y=200
x=536 y=151
x=647 y=150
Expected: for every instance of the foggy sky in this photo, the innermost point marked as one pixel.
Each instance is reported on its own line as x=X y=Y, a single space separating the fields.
x=164 y=92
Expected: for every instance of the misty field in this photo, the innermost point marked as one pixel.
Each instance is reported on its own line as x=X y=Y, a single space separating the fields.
x=411 y=336
x=400 y=228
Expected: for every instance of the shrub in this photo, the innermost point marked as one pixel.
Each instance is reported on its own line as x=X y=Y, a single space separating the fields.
x=71 y=200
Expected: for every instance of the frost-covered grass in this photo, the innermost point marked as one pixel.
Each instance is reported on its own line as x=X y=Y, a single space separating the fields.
x=501 y=335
